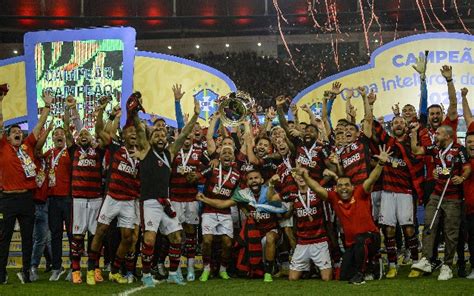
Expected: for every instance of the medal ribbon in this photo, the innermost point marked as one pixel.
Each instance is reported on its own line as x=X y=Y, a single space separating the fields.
x=164 y=159
x=220 y=181
x=443 y=154
x=306 y=205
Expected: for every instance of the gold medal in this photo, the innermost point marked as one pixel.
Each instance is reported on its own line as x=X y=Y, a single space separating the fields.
x=310 y=218
x=82 y=156
x=445 y=171
x=180 y=170
x=394 y=163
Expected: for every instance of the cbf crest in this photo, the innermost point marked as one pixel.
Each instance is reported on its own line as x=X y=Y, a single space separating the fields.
x=207 y=99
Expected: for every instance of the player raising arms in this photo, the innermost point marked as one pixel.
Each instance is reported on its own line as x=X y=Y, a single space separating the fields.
x=123 y=187
x=156 y=157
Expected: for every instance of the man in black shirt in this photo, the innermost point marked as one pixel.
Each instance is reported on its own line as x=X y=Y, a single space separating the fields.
x=155 y=169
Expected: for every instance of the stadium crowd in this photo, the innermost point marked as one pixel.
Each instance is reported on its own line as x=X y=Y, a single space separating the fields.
x=295 y=199
x=266 y=77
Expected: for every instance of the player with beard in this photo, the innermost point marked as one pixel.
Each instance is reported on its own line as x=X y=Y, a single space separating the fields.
x=221 y=181
x=312 y=239
x=156 y=158
x=183 y=189
x=18 y=172
x=261 y=157
x=352 y=206
x=262 y=222
x=122 y=189
x=427 y=136
x=397 y=199
x=451 y=165
x=355 y=156
x=86 y=191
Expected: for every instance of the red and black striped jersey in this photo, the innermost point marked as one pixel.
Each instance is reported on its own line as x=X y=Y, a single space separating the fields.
x=180 y=189
x=229 y=179
x=87 y=172
x=123 y=182
x=313 y=159
x=426 y=137
x=355 y=159
x=287 y=184
x=456 y=154
x=267 y=167
x=310 y=228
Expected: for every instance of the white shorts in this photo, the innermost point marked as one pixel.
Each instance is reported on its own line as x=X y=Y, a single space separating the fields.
x=154 y=218
x=318 y=252
x=376 y=197
x=396 y=207
x=217 y=224
x=84 y=215
x=125 y=210
x=187 y=212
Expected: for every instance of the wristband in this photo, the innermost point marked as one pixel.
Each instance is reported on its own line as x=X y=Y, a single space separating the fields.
x=47 y=106
x=111 y=117
x=381 y=163
x=449 y=80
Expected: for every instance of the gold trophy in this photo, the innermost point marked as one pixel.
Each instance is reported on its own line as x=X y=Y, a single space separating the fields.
x=235 y=108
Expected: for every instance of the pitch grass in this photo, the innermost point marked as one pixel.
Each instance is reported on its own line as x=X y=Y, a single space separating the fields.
x=402 y=285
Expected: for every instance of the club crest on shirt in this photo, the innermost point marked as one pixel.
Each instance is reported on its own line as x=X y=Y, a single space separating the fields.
x=449 y=157
x=354 y=146
x=233 y=180
x=160 y=163
x=194 y=156
x=149 y=223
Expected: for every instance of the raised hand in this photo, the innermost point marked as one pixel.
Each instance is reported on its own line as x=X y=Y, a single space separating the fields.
x=415 y=126
x=274 y=179
x=361 y=91
x=372 y=97
x=271 y=113
x=306 y=108
x=295 y=133
x=384 y=154
x=447 y=72
x=420 y=65
x=352 y=111
x=329 y=173
x=299 y=170
x=464 y=92
x=349 y=93
x=396 y=109
x=294 y=109
x=197 y=107
x=280 y=100
x=178 y=93
x=104 y=101
x=47 y=97
x=336 y=88
x=71 y=102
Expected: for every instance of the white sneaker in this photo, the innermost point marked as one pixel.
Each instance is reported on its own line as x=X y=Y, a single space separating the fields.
x=34 y=274
x=445 y=273
x=422 y=265
x=56 y=274
x=471 y=275
x=369 y=277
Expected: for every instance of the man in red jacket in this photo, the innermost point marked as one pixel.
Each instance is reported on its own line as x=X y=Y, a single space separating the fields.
x=16 y=200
